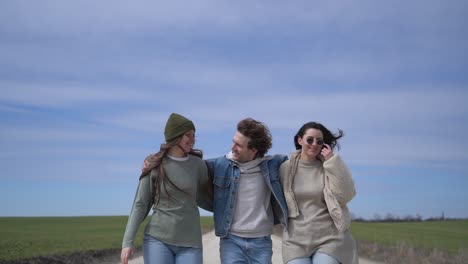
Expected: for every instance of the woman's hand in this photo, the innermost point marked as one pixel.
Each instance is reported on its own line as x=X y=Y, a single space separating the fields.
x=327 y=152
x=126 y=255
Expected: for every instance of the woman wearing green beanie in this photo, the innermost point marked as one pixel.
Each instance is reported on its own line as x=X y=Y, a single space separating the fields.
x=173 y=189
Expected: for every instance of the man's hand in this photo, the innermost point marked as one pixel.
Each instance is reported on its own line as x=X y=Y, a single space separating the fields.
x=148 y=164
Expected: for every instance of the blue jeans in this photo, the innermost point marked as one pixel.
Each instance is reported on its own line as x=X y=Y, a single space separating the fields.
x=234 y=249
x=155 y=252
x=316 y=258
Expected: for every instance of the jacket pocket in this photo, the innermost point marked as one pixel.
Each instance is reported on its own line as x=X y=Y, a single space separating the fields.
x=222 y=189
x=222 y=182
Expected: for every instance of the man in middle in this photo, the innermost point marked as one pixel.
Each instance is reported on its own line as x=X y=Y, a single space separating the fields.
x=248 y=197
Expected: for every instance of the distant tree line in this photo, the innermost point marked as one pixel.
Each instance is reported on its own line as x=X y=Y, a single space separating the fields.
x=389 y=217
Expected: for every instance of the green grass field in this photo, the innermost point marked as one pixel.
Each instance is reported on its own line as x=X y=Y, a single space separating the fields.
x=26 y=237
x=449 y=236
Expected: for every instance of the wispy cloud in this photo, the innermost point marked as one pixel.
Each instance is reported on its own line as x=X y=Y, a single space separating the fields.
x=64 y=94
x=122 y=15
x=387 y=127
x=86 y=87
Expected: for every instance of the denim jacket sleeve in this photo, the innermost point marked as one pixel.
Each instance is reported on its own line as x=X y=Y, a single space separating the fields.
x=205 y=189
x=225 y=177
x=280 y=208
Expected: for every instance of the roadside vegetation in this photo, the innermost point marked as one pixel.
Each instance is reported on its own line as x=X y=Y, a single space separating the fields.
x=441 y=241
x=76 y=239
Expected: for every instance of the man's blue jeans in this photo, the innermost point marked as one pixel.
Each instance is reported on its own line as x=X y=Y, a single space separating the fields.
x=316 y=258
x=234 y=249
x=155 y=252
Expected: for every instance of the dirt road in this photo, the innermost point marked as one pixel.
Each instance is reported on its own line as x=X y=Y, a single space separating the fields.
x=211 y=251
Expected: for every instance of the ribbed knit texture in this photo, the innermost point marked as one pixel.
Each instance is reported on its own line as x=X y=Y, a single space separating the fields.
x=176 y=126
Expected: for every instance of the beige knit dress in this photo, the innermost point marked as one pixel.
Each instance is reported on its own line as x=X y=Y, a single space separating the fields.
x=313 y=230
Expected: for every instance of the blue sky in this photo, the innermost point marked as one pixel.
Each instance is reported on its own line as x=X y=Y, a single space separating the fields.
x=87 y=86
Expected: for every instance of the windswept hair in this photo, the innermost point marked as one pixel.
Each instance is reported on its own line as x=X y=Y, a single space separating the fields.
x=155 y=161
x=328 y=137
x=259 y=134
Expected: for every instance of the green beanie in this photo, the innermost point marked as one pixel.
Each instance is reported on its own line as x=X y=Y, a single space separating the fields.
x=176 y=126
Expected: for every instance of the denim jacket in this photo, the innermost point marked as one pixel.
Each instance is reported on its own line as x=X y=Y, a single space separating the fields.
x=226 y=175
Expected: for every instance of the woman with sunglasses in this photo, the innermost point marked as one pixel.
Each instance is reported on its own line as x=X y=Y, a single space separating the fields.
x=317 y=186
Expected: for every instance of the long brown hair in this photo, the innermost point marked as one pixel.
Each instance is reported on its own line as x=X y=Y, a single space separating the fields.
x=155 y=160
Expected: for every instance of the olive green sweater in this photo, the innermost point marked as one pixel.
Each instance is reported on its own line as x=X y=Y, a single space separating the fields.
x=176 y=219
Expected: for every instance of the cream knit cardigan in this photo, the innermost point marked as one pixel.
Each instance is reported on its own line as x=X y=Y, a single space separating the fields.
x=339 y=189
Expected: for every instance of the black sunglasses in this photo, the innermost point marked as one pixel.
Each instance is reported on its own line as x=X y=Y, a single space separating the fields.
x=310 y=141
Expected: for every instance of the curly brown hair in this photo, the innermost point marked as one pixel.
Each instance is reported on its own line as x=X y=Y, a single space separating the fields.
x=258 y=133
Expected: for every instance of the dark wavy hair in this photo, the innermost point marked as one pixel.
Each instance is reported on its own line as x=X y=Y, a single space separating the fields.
x=259 y=134
x=328 y=137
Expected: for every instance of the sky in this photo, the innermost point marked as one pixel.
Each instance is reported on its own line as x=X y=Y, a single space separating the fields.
x=87 y=86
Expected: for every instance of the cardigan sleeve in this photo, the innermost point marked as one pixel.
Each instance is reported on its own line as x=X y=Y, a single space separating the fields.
x=340 y=179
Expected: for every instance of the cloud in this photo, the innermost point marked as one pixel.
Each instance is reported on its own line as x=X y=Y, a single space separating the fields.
x=104 y=16
x=351 y=66
x=65 y=94
x=386 y=127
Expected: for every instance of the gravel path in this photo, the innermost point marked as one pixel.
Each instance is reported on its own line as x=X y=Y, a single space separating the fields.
x=211 y=251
